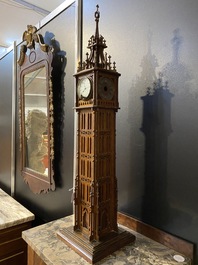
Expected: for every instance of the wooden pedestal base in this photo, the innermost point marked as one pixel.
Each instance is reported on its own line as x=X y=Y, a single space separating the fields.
x=96 y=250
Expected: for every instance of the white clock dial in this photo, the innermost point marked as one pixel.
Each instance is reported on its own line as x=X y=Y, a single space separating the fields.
x=84 y=88
x=106 y=88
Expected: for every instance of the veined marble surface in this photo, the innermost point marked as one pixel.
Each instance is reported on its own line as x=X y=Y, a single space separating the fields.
x=44 y=241
x=11 y=212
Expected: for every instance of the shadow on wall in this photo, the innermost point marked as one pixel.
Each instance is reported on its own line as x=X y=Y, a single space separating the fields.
x=176 y=72
x=146 y=78
x=165 y=163
x=179 y=81
x=156 y=126
x=59 y=63
x=164 y=156
x=183 y=148
x=184 y=143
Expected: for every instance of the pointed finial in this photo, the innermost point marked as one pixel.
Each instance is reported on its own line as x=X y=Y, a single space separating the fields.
x=166 y=85
x=97 y=16
x=97 y=13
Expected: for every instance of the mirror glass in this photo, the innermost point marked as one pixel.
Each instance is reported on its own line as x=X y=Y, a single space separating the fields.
x=36 y=122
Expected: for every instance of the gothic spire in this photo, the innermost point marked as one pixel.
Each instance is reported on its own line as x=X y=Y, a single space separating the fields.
x=96 y=58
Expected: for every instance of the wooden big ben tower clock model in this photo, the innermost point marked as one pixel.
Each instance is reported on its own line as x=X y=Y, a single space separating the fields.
x=95 y=233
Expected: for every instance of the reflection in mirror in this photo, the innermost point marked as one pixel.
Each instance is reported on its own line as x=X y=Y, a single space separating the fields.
x=36 y=129
x=36 y=112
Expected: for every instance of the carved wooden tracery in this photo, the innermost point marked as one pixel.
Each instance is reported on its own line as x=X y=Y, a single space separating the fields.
x=96 y=169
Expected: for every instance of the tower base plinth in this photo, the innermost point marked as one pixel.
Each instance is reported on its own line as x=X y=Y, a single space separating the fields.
x=94 y=251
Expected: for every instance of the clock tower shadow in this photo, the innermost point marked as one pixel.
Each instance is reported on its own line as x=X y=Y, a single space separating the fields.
x=156 y=126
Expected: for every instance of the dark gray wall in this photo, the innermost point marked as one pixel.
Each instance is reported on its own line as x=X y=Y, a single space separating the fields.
x=6 y=121
x=157 y=142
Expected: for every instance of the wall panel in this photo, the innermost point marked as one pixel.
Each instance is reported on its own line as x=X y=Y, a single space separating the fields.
x=6 y=64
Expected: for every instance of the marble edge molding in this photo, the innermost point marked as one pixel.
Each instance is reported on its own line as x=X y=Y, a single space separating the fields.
x=16 y=222
x=12 y=212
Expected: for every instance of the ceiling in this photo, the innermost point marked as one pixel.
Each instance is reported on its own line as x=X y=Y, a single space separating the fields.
x=15 y=15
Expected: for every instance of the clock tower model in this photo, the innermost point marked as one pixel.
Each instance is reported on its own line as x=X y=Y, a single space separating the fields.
x=95 y=233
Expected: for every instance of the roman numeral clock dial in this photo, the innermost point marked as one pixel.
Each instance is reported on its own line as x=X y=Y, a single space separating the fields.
x=84 y=88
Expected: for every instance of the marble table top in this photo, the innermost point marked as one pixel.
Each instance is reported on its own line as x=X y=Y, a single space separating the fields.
x=44 y=241
x=11 y=212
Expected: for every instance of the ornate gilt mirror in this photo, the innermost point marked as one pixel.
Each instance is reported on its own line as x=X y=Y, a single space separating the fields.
x=36 y=112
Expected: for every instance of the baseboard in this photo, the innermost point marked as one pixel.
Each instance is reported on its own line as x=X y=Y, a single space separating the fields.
x=184 y=247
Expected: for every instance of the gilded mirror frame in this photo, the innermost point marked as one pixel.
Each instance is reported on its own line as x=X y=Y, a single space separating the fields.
x=36 y=56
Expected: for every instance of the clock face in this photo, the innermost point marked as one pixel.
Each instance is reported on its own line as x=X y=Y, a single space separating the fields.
x=84 y=88
x=106 y=88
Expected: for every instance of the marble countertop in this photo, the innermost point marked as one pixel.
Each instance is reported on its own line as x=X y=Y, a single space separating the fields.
x=11 y=212
x=44 y=241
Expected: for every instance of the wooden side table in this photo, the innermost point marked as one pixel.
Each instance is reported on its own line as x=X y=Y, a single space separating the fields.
x=14 y=219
